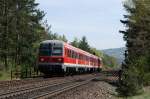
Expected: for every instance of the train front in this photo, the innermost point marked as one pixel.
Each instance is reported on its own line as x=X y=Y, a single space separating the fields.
x=51 y=57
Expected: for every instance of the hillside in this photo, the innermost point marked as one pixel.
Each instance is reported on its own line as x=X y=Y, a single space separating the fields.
x=118 y=53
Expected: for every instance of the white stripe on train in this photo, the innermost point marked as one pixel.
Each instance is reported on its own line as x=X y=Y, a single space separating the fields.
x=65 y=65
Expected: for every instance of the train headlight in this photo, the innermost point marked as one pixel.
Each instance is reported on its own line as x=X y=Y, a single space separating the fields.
x=59 y=59
x=42 y=59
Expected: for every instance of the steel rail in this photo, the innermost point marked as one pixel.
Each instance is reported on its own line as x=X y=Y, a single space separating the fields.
x=25 y=90
x=61 y=90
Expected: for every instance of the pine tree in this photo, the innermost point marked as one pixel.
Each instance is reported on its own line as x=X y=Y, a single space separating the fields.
x=137 y=31
x=5 y=21
x=75 y=42
x=83 y=44
x=27 y=30
x=20 y=29
x=63 y=38
x=137 y=36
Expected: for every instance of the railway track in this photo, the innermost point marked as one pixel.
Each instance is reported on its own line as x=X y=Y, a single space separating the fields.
x=45 y=88
x=61 y=90
x=42 y=89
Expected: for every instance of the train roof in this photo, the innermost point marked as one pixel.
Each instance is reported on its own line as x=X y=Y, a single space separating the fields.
x=53 y=41
x=69 y=46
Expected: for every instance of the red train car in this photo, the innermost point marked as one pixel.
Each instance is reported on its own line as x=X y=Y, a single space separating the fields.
x=58 y=57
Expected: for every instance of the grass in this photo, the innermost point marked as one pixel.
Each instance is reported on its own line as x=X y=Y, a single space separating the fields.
x=5 y=75
x=145 y=95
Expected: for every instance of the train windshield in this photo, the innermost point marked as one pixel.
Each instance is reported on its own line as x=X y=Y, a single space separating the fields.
x=57 y=51
x=45 y=50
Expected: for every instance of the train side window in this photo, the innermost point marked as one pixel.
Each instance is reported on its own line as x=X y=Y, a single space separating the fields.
x=70 y=53
x=66 y=52
x=77 y=55
x=74 y=54
x=81 y=57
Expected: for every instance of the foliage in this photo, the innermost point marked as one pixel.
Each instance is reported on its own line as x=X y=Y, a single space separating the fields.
x=75 y=42
x=109 y=61
x=132 y=78
x=83 y=44
x=136 y=67
x=20 y=29
x=137 y=27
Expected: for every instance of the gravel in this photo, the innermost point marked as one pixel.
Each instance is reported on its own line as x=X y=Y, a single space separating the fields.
x=93 y=90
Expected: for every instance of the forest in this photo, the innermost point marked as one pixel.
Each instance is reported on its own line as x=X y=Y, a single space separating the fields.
x=22 y=28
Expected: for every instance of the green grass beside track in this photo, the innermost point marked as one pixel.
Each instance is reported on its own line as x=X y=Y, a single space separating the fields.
x=145 y=95
x=5 y=75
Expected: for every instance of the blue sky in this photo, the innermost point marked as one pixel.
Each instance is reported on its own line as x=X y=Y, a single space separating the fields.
x=98 y=20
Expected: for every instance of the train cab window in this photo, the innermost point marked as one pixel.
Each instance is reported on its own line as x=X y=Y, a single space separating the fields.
x=45 y=49
x=57 y=51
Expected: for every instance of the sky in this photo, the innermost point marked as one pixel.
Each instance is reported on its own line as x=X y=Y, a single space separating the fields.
x=98 y=20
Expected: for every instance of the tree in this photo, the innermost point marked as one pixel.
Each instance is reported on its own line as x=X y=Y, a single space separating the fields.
x=83 y=44
x=75 y=42
x=137 y=27
x=137 y=36
x=5 y=21
x=96 y=52
x=63 y=38
x=109 y=61
x=27 y=28
x=20 y=29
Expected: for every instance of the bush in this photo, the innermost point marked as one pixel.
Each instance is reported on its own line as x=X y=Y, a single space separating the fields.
x=131 y=83
x=1 y=75
x=132 y=78
x=147 y=79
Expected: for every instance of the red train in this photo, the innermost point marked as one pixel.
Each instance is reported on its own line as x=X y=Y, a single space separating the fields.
x=59 y=57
